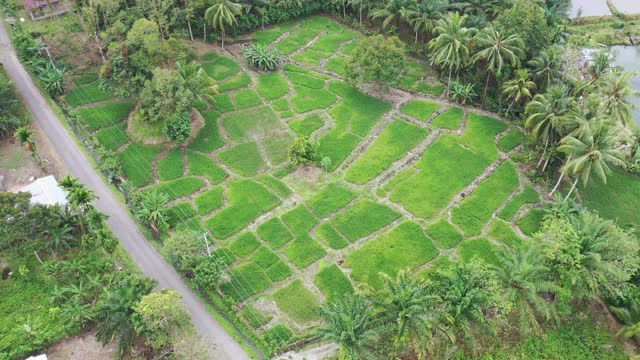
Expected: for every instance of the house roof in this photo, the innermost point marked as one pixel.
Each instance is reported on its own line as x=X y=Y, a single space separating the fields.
x=45 y=191
x=35 y=4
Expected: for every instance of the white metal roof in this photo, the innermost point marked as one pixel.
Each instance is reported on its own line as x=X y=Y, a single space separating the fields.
x=45 y=191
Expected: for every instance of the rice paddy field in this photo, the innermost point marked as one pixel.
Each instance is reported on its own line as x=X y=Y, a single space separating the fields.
x=414 y=183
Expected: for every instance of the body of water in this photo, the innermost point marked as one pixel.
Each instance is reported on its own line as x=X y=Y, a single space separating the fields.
x=628 y=57
x=599 y=7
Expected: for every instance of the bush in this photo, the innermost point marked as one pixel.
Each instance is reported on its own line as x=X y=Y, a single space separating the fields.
x=178 y=128
x=265 y=58
x=377 y=58
x=304 y=151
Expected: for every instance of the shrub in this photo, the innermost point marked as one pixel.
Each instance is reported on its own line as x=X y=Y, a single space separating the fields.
x=178 y=128
x=377 y=58
x=304 y=151
x=265 y=58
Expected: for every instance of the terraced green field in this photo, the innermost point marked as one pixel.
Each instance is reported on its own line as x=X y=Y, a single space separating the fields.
x=405 y=189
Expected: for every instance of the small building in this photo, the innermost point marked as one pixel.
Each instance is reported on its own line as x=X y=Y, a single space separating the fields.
x=45 y=191
x=38 y=9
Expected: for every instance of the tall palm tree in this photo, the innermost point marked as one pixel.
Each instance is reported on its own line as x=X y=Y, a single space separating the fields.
x=518 y=89
x=392 y=12
x=525 y=280
x=494 y=48
x=359 y=6
x=600 y=66
x=424 y=16
x=451 y=46
x=546 y=67
x=348 y=322
x=479 y=7
x=592 y=151
x=59 y=237
x=629 y=315
x=257 y=6
x=222 y=14
x=152 y=209
x=408 y=312
x=547 y=116
x=196 y=80
x=614 y=92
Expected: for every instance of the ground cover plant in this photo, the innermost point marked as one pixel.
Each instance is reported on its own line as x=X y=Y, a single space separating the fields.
x=86 y=94
x=450 y=119
x=272 y=86
x=244 y=159
x=363 y=218
x=330 y=199
x=99 y=116
x=420 y=109
x=333 y=283
x=306 y=126
x=275 y=233
x=114 y=137
x=248 y=124
x=528 y=196
x=297 y=302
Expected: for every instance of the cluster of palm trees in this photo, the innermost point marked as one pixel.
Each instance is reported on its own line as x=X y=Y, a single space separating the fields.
x=462 y=304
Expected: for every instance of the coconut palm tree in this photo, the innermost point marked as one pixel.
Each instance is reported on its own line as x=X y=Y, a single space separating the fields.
x=392 y=12
x=223 y=14
x=614 y=93
x=451 y=46
x=494 y=48
x=424 y=16
x=629 y=315
x=525 y=280
x=359 y=6
x=59 y=238
x=196 y=80
x=151 y=209
x=408 y=313
x=348 y=322
x=480 y=7
x=547 y=116
x=546 y=67
x=24 y=135
x=600 y=66
x=518 y=89
x=592 y=151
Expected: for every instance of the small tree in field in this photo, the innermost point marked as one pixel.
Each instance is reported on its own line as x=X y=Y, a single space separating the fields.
x=304 y=151
x=377 y=58
x=178 y=128
x=325 y=163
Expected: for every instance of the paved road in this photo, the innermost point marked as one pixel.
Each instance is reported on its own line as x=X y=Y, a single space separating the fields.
x=146 y=257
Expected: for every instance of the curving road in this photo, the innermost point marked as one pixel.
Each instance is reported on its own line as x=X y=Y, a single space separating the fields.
x=146 y=257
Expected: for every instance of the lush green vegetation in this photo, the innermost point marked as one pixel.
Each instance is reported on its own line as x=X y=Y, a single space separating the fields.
x=297 y=302
x=363 y=218
x=420 y=109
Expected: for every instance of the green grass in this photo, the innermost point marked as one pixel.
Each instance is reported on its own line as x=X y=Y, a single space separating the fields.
x=272 y=33
x=337 y=65
x=274 y=232
x=420 y=109
x=223 y=103
x=250 y=124
x=450 y=119
x=278 y=335
x=244 y=244
x=136 y=161
x=274 y=184
x=100 y=116
x=426 y=88
x=328 y=235
x=406 y=246
x=114 y=137
x=393 y=143
x=307 y=126
x=246 y=98
x=203 y=165
x=330 y=199
x=255 y=318
x=171 y=166
x=510 y=140
x=247 y=200
x=475 y=210
x=479 y=135
x=272 y=86
x=333 y=283
x=193 y=225
x=303 y=251
x=277 y=148
x=86 y=94
x=210 y=200
x=281 y=105
x=312 y=57
x=480 y=248
x=245 y=159
x=503 y=232
x=617 y=200
x=299 y=220
x=363 y=218
x=264 y=257
x=287 y=114
x=211 y=55
x=85 y=79
x=307 y=99
x=236 y=82
x=301 y=79
x=179 y=212
x=209 y=138
x=297 y=301
x=350 y=48
x=225 y=255
x=221 y=68
x=246 y=279
x=531 y=222
x=528 y=196
x=178 y=188
x=279 y=271
x=444 y=234
x=289 y=68
x=445 y=169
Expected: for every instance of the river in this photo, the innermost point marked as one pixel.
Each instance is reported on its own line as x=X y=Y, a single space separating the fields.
x=628 y=57
x=599 y=7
